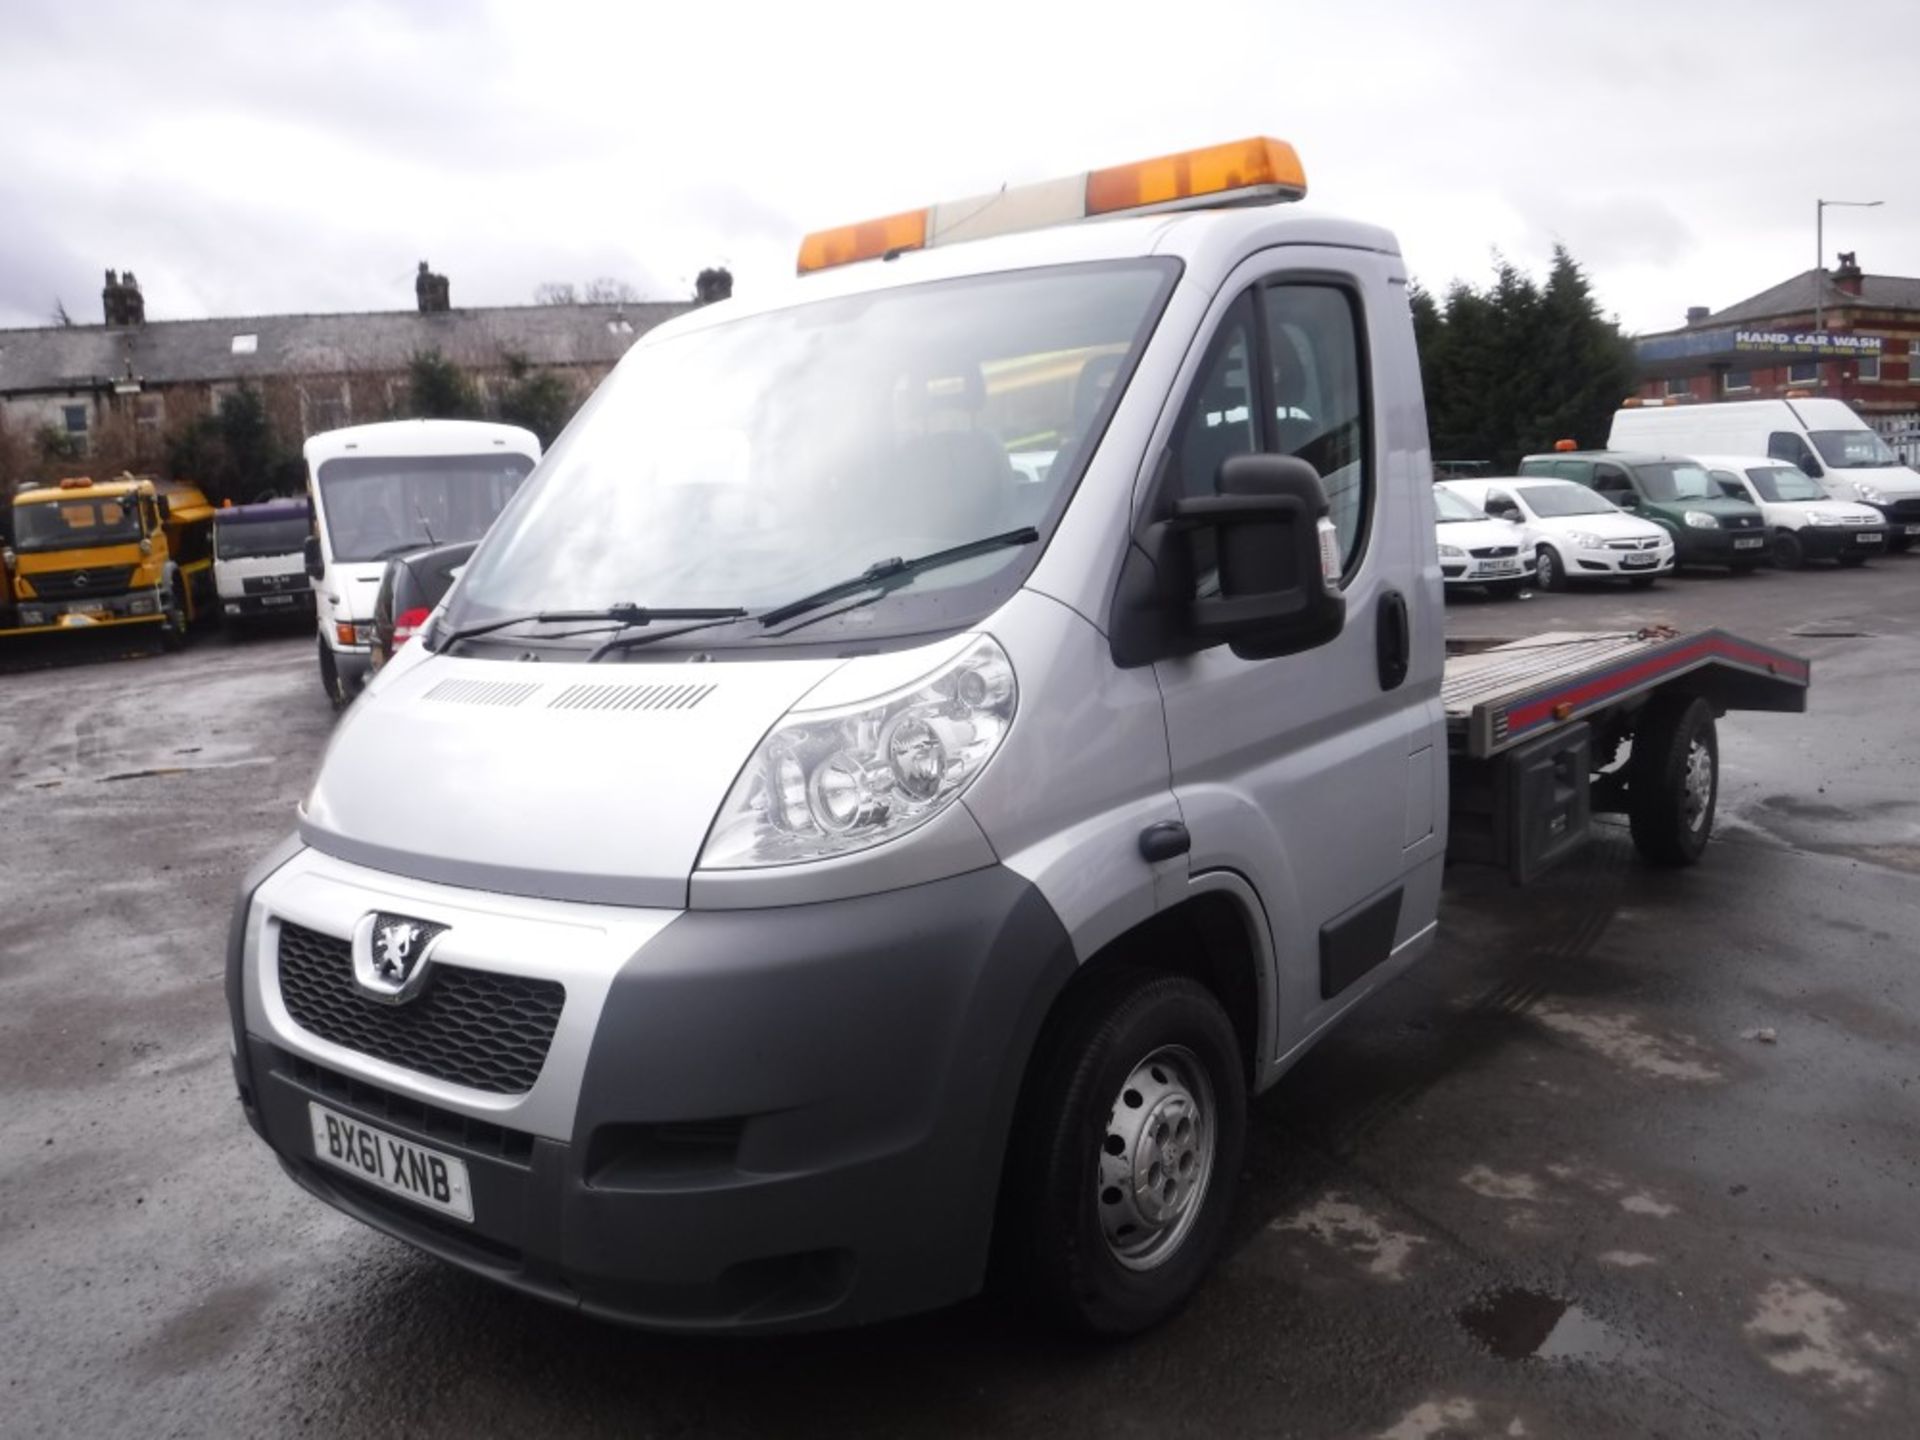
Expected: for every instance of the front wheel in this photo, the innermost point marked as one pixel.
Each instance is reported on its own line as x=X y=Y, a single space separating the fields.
x=1122 y=1174
x=1788 y=552
x=330 y=678
x=1549 y=574
x=1673 y=779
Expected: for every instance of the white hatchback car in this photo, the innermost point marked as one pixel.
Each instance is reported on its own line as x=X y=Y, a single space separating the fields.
x=1805 y=523
x=1476 y=549
x=1575 y=533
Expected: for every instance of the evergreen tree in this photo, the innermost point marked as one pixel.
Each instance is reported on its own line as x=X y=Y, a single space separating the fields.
x=438 y=389
x=1514 y=367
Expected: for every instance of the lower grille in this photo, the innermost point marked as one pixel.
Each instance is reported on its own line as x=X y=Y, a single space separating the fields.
x=428 y=1121
x=469 y=1027
x=81 y=584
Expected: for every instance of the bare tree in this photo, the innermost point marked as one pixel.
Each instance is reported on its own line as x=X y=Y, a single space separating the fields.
x=607 y=290
x=60 y=315
x=556 y=292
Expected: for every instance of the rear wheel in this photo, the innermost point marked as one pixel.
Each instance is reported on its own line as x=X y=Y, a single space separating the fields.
x=1788 y=552
x=1122 y=1174
x=1550 y=574
x=1673 y=779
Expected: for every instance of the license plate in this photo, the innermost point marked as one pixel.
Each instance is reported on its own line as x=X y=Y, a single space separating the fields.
x=397 y=1166
x=1866 y=539
x=1499 y=567
x=276 y=599
x=1639 y=562
x=1753 y=544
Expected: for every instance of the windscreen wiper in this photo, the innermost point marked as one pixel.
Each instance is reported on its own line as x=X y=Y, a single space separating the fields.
x=891 y=574
x=620 y=643
x=621 y=615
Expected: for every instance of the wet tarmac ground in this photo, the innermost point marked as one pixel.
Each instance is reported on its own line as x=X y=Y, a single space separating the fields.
x=1633 y=1153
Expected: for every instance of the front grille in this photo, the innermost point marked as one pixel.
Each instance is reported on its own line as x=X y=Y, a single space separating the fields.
x=1744 y=522
x=1495 y=552
x=273 y=584
x=81 y=584
x=469 y=1027
x=1650 y=542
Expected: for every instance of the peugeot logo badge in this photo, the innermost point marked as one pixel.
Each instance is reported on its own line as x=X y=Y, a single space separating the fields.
x=392 y=955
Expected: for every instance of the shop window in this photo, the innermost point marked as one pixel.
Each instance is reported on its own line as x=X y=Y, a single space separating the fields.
x=1739 y=380
x=1870 y=369
x=1679 y=387
x=1801 y=372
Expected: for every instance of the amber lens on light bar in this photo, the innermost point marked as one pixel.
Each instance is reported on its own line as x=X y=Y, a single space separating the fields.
x=1241 y=165
x=865 y=241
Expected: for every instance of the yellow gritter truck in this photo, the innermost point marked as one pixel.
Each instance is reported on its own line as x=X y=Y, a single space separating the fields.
x=128 y=551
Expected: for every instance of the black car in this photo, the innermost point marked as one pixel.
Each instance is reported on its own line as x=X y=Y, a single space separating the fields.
x=413 y=585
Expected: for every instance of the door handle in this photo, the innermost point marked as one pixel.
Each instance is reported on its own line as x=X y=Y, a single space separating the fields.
x=1393 y=639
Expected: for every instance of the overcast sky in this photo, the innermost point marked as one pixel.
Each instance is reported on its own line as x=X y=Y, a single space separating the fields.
x=252 y=156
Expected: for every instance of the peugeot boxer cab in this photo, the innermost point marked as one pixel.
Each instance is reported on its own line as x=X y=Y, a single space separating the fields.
x=1825 y=438
x=786 y=869
x=381 y=490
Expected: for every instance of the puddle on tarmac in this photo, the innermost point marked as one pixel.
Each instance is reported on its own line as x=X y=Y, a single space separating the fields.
x=1531 y=1325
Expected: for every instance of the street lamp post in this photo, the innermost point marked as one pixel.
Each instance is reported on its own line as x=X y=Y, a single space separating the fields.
x=1820 y=253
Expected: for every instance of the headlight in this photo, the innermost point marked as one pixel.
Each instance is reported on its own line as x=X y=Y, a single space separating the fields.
x=1823 y=517
x=1869 y=493
x=834 y=781
x=1452 y=552
x=1586 y=540
x=1701 y=520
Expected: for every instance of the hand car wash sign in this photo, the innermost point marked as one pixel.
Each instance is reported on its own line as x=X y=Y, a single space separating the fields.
x=1820 y=343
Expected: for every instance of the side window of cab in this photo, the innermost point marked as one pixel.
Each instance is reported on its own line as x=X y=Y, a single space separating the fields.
x=1612 y=482
x=1787 y=446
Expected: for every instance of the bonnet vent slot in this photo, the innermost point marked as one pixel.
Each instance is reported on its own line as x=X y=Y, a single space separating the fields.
x=481 y=692
x=630 y=697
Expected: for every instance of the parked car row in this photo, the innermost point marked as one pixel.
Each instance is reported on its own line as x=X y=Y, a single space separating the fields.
x=1820 y=485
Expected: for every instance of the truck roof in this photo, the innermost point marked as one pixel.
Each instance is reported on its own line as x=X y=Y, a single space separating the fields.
x=420 y=437
x=1208 y=242
x=83 y=487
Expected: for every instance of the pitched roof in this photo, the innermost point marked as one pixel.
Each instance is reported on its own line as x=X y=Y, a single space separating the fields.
x=174 y=351
x=1795 y=297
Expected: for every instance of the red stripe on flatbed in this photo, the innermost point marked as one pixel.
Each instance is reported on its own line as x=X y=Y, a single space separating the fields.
x=1783 y=666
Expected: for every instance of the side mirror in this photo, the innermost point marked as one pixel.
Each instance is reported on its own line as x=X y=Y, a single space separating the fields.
x=311 y=552
x=1266 y=523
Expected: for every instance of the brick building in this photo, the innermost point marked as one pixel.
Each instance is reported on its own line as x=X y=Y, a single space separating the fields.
x=117 y=387
x=1866 y=351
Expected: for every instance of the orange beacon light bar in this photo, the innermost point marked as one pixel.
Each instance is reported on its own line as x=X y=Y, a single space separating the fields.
x=1244 y=172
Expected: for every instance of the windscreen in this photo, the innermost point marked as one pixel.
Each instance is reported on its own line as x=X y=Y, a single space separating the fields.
x=750 y=463
x=1784 y=482
x=1668 y=480
x=1452 y=509
x=378 y=506
x=72 y=524
x=1852 y=449
x=245 y=539
x=1563 y=498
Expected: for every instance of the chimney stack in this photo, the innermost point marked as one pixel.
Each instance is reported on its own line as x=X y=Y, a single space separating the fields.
x=431 y=291
x=121 y=300
x=1697 y=314
x=1846 y=278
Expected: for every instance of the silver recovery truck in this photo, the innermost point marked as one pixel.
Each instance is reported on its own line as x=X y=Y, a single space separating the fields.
x=925 y=746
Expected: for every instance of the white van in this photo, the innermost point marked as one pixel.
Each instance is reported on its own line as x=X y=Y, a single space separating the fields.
x=1825 y=438
x=381 y=490
x=1806 y=524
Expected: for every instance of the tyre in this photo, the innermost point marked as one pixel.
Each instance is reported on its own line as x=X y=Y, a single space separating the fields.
x=1673 y=779
x=1550 y=574
x=330 y=678
x=173 y=616
x=1127 y=1151
x=1788 y=552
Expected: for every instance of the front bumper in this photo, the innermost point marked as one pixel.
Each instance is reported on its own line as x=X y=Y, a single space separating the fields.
x=132 y=607
x=1619 y=564
x=1721 y=546
x=285 y=604
x=1830 y=542
x=1472 y=571
x=775 y=1119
